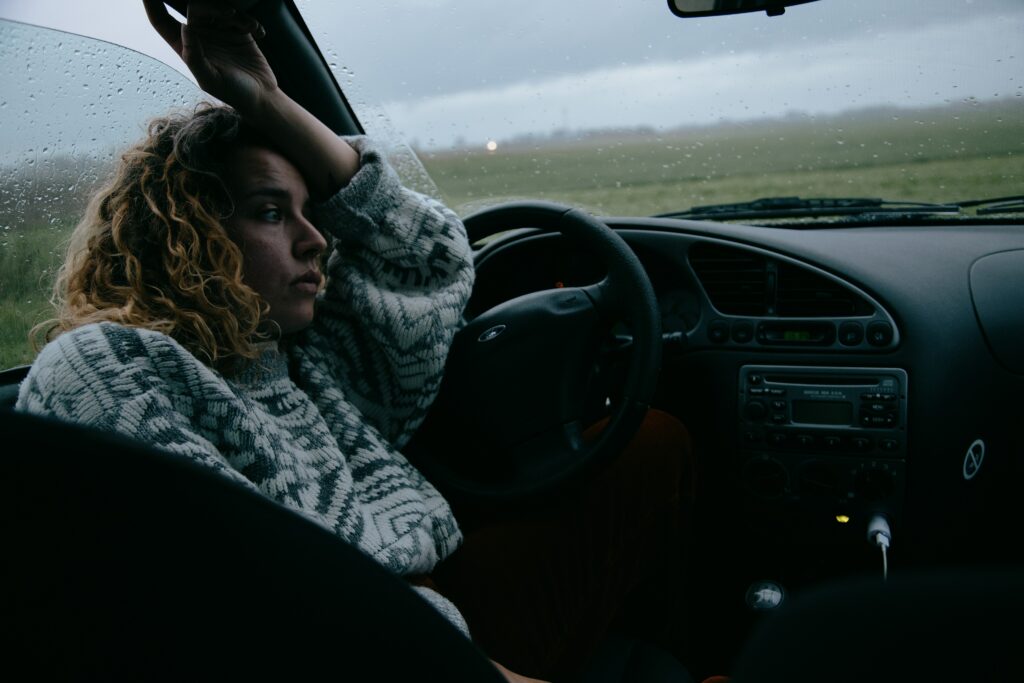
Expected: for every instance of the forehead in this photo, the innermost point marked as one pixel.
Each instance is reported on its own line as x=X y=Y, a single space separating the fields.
x=252 y=167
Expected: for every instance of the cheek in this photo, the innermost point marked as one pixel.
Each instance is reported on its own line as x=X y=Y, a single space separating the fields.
x=262 y=266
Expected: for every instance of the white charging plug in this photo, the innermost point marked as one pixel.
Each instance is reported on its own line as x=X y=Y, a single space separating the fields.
x=879 y=534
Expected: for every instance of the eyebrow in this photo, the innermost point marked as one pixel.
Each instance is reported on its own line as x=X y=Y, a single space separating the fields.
x=273 y=193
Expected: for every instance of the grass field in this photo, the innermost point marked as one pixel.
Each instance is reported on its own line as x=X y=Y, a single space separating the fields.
x=923 y=155
x=948 y=154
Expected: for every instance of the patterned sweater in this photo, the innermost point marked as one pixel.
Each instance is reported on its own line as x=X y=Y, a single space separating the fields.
x=317 y=424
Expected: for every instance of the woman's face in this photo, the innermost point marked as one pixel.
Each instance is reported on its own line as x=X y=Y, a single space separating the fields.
x=280 y=246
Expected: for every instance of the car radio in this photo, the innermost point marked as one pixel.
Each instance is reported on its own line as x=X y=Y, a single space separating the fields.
x=826 y=409
x=824 y=447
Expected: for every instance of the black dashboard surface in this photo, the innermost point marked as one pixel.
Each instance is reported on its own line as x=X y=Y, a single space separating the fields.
x=917 y=279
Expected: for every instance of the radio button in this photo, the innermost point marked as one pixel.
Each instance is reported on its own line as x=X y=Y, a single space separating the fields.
x=777 y=392
x=832 y=441
x=755 y=379
x=755 y=410
x=878 y=420
x=879 y=396
x=889 y=444
x=805 y=440
x=718 y=331
x=779 y=404
x=779 y=418
x=851 y=333
x=742 y=332
x=862 y=443
x=756 y=391
x=777 y=439
x=880 y=333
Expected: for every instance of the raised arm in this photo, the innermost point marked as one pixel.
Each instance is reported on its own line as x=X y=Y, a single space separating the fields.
x=219 y=46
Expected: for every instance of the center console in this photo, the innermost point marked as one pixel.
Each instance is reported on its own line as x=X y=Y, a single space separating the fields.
x=826 y=444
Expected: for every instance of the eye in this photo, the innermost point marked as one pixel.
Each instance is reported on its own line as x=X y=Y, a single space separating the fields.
x=271 y=214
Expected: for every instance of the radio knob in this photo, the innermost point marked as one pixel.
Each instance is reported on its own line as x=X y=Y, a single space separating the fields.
x=756 y=410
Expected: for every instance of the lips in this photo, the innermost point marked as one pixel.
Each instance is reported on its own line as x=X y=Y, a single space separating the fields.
x=308 y=282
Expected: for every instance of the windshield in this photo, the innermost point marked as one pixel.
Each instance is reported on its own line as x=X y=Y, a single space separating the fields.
x=622 y=108
x=615 y=106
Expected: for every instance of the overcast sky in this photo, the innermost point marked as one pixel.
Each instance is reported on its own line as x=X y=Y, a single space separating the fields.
x=437 y=71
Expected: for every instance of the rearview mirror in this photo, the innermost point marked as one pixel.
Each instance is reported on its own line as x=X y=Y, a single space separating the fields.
x=710 y=8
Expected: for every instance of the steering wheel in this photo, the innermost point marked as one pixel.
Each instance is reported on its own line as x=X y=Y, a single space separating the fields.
x=508 y=420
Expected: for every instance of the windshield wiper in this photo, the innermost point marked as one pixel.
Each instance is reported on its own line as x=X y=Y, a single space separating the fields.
x=1011 y=204
x=787 y=207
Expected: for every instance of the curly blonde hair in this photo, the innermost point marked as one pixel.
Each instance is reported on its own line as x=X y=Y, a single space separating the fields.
x=152 y=250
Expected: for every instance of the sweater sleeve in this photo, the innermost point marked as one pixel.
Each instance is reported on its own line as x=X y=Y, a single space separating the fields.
x=398 y=279
x=445 y=606
x=127 y=381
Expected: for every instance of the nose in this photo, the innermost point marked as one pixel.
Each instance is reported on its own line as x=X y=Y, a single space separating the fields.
x=308 y=240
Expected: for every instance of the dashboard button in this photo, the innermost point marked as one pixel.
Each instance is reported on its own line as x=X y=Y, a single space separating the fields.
x=851 y=333
x=742 y=332
x=718 y=331
x=862 y=443
x=755 y=410
x=832 y=441
x=880 y=333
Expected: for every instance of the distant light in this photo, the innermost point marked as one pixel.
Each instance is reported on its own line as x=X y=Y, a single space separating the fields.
x=842 y=519
x=492 y=146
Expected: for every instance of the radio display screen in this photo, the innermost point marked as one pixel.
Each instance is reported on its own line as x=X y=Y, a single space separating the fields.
x=823 y=412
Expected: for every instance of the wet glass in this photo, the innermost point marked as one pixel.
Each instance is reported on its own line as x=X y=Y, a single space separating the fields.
x=68 y=106
x=625 y=109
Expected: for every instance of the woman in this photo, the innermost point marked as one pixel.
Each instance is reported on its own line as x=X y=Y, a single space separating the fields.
x=194 y=315
x=202 y=255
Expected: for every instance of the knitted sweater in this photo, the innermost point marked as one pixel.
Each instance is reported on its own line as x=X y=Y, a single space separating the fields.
x=315 y=426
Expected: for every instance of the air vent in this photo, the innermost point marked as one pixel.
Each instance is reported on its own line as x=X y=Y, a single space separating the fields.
x=742 y=282
x=802 y=293
x=735 y=280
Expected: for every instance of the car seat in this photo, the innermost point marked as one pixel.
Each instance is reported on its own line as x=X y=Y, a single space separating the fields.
x=123 y=562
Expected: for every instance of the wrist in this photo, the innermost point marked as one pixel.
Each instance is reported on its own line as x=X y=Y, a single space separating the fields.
x=266 y=109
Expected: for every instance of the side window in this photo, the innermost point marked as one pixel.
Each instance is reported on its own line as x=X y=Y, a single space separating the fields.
x=68 y=106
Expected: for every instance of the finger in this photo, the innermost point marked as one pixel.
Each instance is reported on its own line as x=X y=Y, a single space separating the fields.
x=248 y=24
x=192 y=49
x=216 y=19
x=210 y=15
x=167 y=26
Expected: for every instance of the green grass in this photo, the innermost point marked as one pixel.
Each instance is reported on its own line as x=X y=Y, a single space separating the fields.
x=28 y=262
x=925 y=155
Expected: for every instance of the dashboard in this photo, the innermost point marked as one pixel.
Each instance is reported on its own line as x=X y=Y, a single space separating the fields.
x=826 y=375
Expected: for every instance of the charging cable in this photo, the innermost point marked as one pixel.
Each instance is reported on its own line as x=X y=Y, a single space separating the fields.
x=880 y=535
